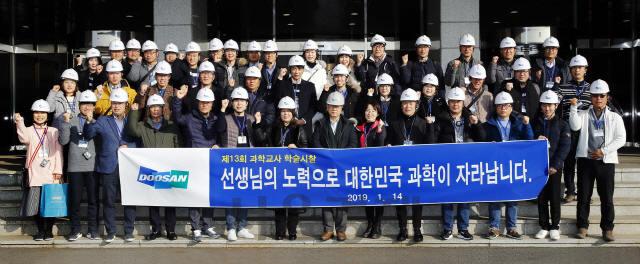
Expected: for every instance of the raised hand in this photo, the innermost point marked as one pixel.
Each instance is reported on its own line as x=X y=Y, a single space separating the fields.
x=574 y=101
x=326 y=87
x=494 y=59
x=134 y=106
x=224 y=103
x=405 y=59
x=143 y=89
x=360 y=58
x=525 y=120
x=456 y=63
x=67 y=117
x=56 y=88
x=232 y=82
x=99 y=89
x=99 y=69
x=473 y=119
x=258 y=117
x=283 y=72
x=509 y=86
x=17 y=117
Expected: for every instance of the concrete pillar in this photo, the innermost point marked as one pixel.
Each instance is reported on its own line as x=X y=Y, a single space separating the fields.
x=179 y=22
x=458 y=17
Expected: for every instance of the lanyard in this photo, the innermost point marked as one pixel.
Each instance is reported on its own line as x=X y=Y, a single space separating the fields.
x=524 y=93
x=508 y=71
x=41 y=139
x=295 y=92
x=579 y=93
x=550 y=74
x=81 y=125
x=71 y=106
x=195 y=79
x=411 y=130
x=505 y=137
x=284 y=136
x=470 y=65
x=255 y=96
x=266 y=71
x=384 y=110
x=473 y=97
x=430 y=102
x=230 y=73
x=366 y=132
x=244 y=120
x=118 y=128
x=598 y=122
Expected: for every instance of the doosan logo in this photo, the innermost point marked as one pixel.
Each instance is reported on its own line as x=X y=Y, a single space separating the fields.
x=504 y=98
x=113 y=66
x=163 y=180
x=549 y=97
x=520 y=64
x=508 y=42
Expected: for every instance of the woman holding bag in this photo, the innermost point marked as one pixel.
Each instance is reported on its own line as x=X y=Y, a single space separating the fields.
x=44 y=164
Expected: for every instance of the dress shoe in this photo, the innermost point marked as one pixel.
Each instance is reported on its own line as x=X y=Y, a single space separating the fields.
x=417 y=235
x=279 y=237
x=376 y=232
x=171 y=235
x=342 y=236
x=293 y=236
x=608 y=236
x=367 y=232
x=582 y=233
x=326 y=235
x=403 y=235
x=569 y=198
x=153 y=236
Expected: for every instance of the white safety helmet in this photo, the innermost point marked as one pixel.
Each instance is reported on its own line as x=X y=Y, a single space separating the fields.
x=521 y=64
x=549 y=97
x=335 y=98
x=205 y=95
x=93 y=53
x=551 y=42
x=378 y=39
x=423 y=40
x=119 y=96
x=163 y=67
x=456 y=94
x=409 y=95
x=116 y=44
x=296 y=60
x=503 y=98
x=345 y=50
x=114 y=66
x=430 y=78
x=192 y=47
x=171 y=48
x=231 y=44
x=149 y=45
x=88 y=97
x=254 y=46
x=467 y=40
x=133 y=44
x=384 y=79
x=155 y=100
x=478 y=72
x=239 y=93
x=270 y=45
x=40 y=105
x=599 y=87
x=70 y=74
x=215 y=44
x=507 y=43
x=340 y=70
x=578 y=60
x=253 y=71
x=310 y=45
x=287 y=103
x=206 y=66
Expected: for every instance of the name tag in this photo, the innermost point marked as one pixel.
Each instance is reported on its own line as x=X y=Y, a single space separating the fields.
x=524 y=109
x=549 y=85
x=242 y=140
x=473 y=108
x=466 y=81
x=598 y=133
x=83 y=144
x=376 y=78
x=268 y=86
x=153 y=82
x=580 y=104
x=43 y=153
x=408 y=142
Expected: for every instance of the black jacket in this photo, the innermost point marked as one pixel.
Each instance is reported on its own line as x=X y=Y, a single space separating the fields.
x=272 y=79
x=190 y=103
x=420 y=132
x=373 y=137
x=533 y=96
x=308 y=101
x=438 y=105
x=559 y=140
x=350 y=102
x=271 y=136
x=263 y=104
x=561 y=69
x=444 y=130
x=393 y=111
x=367 y=73
x=84 y=82
x=411 y=75
x=346 y=136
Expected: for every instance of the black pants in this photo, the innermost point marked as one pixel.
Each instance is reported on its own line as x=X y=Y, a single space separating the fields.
x=40 y=222
x=550 y=197
x=588 y=172
x=77 y=181
x=169 y=218
x=283 y=224
x=374 y=214
x=416 y=217
x=570 y=165
x=110 y=188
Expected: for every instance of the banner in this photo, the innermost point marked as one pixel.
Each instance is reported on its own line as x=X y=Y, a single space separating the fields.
x=280 y=177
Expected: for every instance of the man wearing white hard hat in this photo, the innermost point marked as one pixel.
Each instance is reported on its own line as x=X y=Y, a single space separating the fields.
x=525 y=93
x=177 y=63
x=142 y=73
x=259 y=100
x=206 y=80
x=216 y=51
x=550 y=69
x=162 y=88
x=113 y=136
x=504 y=126
x=230 y=70
x=334 y=131
x=133 y=51
x=272 y=73
x=116 y=51
x=302 y=92
x=456 y=126
x=156 y=132
x=412 y=72
x=340 y=75
x=431 y=105
x=557 y=132
x=501 y=68
x=90 y=79
x=253 y=54
x=64 y=100
x=344 y=58
x=115 y=82
x=477 y=99
x=602 y=133
x=368 y=71
x=458 y=73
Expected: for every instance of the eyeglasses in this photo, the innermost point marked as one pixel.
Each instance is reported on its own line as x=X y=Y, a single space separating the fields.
x=503 y=106
x=194 y=55
x=378 y=46
x=149 y=51
x=207 y=73
x=551 y=48
x=599 y=95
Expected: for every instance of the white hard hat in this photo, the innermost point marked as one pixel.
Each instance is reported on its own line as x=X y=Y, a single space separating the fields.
x=344 y=49
x=503 y=98
x=378 y=39
x=310 y=44
x=253 y=71
x=215 y=44
x=456 y=94
x=231 y=44
x=507 y=43
x=149 y=45
x=296 y=60
x=155 y=100
x=521 y=64
x=423 y=40
x=287 y=103
x=254 y=46
x=206 y=66
x=116 y=44
x=92 y=53
x=205 y=95
x=430 y=78
x=578 y=60
x=171 y=48
x=599 y=87
x=239 y=93
x=70 y=74
x=192 y=47
x=114 y=66
x=409 y=95
x=88 y=97
x=478 y=72
x=340 y=70
x=163 y=67
x=270 y=45
x=467 y=40
x=384 y=79
x=40 y=105
x=551 y=42
x=119 y=95
x=549 y=97
x=335 y=98
x=133 y=44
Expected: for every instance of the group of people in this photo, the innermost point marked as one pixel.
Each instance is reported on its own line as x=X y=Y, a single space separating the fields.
x=223 y=101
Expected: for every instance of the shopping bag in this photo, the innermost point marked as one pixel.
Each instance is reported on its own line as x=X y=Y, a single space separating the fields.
x=53 y=201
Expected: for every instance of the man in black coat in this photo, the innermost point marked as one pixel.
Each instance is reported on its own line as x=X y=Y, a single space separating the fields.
x=412 y=72
x=302 y=92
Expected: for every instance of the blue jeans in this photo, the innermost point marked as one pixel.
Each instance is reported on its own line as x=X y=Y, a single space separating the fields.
x=230 y=214
x=447 y=216
x=510 y=216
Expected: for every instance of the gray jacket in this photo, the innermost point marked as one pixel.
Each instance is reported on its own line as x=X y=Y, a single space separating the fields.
x=70 y=134
x=498 y=72
x=455 y=77
x=59 y=105
x=138 y=70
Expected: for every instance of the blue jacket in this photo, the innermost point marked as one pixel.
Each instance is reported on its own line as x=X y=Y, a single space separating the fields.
x=106 y=128
x=559 y=141
x=519 y=131
x=200 y=131
x=367 y=72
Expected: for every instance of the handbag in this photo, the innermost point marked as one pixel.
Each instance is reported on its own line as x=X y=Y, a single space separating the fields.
x=53 y=201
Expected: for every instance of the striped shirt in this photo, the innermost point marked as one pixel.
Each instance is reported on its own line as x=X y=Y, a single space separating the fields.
x=570 y=90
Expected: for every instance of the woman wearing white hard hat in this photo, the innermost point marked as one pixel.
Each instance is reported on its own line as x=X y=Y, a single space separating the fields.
x=458 y=71
x=525 y=93
x=477 y=99
x=162 y=88
x=142 y=74
x=344 y=58
x=368 y=71
x=547 y=126
x=551 y=69
x=412 y=72
x=231 y=69
x=385 y=95
x=65 y=99
x=115 y=82
x=314 y=70
x=340 y=75
x=501 y=68
x=44 y=164
x=431 y=105
x=90 y=79
x=302 y=92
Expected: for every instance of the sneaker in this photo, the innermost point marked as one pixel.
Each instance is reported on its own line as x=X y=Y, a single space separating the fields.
x=153 y=236
x=39 y=236
x=93 y=235
x=231 y=235
x=464 y=234
x=554 y=234
x=542 y=234
x=210 y=233
x=493 y=233
x=75 y=236
x=197 y=235
x=244 y=233
x=446 y=235
x=129 y=237
x=171 y=235
x=513 y=233
x=110 y=237
x=48 y=236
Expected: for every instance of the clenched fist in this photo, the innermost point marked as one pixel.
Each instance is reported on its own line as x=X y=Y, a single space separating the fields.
x=539 y=74
x=495 y=59
x=260 y=66
x=258 y=117
x=224 y=103
x=67 y=117
x=456 y=63
x=525 y=120
x=360 y=58
x=143 y=89
x=283 y=72
x=558 y=79
x=474 y=119
x=405 y=59
x=17 y=117
x=574 y=101
x=509 y=86
x=232 y=82
x=181 y=93
x=134 y=106
x=99 y=90
x=99 y=69
x=326 y=87
x=56 y=88
x=370 y=91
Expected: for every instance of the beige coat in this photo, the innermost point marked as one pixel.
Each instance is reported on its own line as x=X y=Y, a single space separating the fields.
x=484 y=105
x=39 y=175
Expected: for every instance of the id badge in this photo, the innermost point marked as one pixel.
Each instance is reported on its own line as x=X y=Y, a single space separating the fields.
x=43 y=153
x=268 y=86
x=408 y=142
x=242 y=140
x=376 y=78
x=44 y=163
x=431 y=119
x=524 y=109
x=386 y=124
x=153 y=82
x=473 y=108
x=549 y=85
x=466 y=81
x=86 y=155
x=598 y=133
x=83 y=144
x=580 y=103
x=507 y=78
